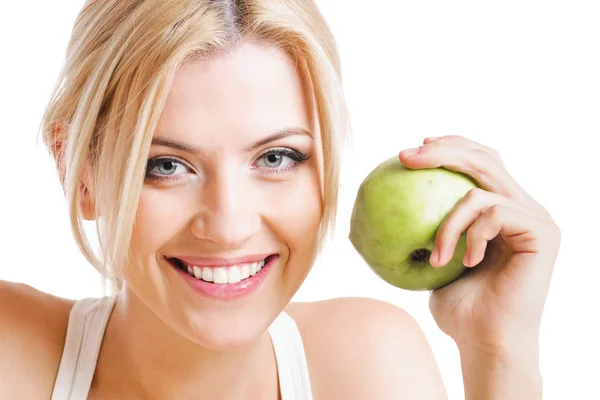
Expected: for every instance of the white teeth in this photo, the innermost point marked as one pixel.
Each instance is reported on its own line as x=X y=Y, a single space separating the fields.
x=223 y=275
x=220 y=275
x=207 y=275
x=234 y=275
x=197 y=272
x=245 y=271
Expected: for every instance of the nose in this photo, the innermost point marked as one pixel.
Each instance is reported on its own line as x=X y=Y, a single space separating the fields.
x=229 y=213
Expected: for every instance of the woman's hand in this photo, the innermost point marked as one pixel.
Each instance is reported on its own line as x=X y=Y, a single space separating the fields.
x=512 y=244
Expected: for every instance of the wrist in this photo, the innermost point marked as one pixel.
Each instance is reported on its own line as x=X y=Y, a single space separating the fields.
x=501 y=372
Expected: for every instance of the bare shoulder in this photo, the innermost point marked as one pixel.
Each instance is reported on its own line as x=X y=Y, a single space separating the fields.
x=363 y=348
x=33 y=327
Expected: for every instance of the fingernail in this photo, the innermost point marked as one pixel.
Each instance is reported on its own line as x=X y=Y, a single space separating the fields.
x=434 y=258
x=432 y=138
x=465 y=260
x=411 y=152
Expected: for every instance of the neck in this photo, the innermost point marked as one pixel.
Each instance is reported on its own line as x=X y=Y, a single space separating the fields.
x=154 y=361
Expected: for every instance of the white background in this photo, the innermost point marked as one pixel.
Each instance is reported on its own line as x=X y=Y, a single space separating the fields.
x=519 y=76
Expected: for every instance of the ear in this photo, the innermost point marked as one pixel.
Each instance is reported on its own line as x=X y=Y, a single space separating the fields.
x=87 y=199
x=87 y=203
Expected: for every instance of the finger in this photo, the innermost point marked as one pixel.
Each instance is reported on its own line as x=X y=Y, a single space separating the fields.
x=477 y=164
x=462 y=216
x=520 y=231
x=468 y=143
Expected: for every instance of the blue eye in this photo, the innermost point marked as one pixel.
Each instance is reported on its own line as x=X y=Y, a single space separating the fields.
x=160 y=168
x=281 y=160
x=274 y=160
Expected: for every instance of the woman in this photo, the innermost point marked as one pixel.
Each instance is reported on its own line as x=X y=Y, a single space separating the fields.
x=203 y=137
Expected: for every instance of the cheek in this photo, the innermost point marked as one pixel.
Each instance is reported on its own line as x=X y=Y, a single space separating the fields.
x=298 y=212
x=159 y=217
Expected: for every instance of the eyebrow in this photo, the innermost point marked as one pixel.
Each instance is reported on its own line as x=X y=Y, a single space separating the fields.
x=162 y=141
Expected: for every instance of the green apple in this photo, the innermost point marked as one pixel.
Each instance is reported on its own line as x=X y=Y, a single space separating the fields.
x=396 y=215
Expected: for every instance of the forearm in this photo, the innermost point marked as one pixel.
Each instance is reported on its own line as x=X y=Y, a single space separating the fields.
x=501 y=374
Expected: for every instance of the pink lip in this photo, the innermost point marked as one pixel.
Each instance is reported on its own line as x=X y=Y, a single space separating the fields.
x=230 y=291
x=218 y=262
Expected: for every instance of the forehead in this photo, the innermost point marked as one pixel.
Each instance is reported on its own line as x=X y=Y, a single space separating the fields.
x=251 y=89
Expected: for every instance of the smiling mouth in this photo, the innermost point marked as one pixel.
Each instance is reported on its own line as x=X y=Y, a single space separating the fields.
x=221 y=275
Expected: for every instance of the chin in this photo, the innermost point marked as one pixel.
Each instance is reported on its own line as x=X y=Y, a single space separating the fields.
x=221 y=326
x=227 y=332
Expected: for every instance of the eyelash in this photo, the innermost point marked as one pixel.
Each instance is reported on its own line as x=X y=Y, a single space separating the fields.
x=296 y=156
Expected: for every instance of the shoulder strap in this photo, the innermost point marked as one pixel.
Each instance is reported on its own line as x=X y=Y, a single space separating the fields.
x=292 y=366
x=87 y=323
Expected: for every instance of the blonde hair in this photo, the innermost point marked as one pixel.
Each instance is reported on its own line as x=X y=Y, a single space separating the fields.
x=118 y=70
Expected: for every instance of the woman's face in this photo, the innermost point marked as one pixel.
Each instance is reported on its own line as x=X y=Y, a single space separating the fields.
x=220 y=184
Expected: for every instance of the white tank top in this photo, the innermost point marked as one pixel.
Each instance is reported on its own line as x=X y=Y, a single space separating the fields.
x=87 y=323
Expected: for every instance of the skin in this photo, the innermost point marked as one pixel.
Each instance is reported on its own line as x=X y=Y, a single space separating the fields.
x=493 y=313
x=219 y=200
